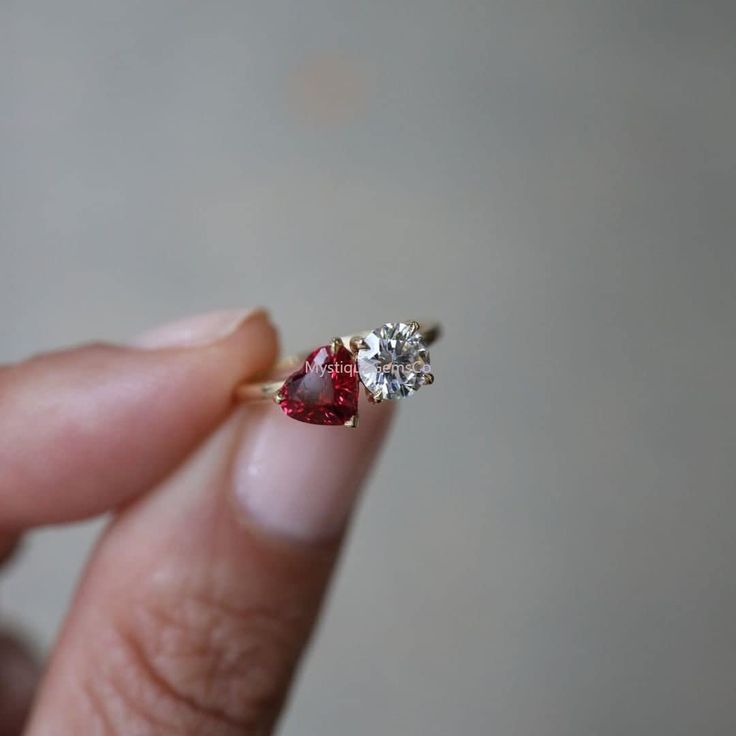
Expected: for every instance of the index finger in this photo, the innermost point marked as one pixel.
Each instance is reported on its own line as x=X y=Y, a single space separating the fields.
x=84 y=430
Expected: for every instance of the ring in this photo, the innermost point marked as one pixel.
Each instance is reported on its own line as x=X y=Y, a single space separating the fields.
x=322 y=386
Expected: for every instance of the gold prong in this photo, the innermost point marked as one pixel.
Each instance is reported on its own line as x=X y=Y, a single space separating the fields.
x=352 y=422
x=357 y=343
x=335 y=344
x=278 y=397
x=413 y=326
x=428 y=379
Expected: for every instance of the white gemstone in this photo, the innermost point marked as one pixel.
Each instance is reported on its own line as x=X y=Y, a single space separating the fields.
x=394 y=361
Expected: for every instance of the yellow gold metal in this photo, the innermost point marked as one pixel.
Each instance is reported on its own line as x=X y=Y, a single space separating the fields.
x=352 y=422
x=357 y=343
x=428 y=379
x=335 y=344
x=259 y=391
x=413 y=326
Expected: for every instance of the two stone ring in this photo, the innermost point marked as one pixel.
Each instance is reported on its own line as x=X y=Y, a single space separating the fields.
x=322 y=387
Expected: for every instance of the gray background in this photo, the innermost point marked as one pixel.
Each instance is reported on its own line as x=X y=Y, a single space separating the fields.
x=548 y=547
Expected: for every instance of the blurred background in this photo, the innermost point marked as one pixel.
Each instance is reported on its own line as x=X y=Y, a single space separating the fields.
x=548 y=546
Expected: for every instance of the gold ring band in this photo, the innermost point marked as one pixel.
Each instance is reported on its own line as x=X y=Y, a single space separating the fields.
x=391 y=362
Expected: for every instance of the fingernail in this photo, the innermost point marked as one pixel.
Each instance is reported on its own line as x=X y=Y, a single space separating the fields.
x=196 y=331
x=299 y=480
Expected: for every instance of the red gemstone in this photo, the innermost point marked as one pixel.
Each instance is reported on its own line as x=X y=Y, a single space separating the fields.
x=324 y=390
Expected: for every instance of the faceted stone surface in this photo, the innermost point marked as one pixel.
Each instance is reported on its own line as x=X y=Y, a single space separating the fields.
x=324 y=390
x=393 y=362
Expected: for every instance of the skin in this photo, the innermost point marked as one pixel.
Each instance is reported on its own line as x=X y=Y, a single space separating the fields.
x=199 y=599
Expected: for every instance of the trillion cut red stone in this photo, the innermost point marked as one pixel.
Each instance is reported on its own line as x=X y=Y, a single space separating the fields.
x=324 y=390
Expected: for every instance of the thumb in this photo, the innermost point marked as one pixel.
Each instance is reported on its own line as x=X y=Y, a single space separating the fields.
x=201 y=596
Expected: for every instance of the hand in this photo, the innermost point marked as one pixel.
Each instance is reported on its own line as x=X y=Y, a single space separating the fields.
x=198 y=600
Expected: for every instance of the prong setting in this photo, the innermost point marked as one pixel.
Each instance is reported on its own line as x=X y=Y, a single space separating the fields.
x=335 y=344
x=352 y=422
x=357 y=343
